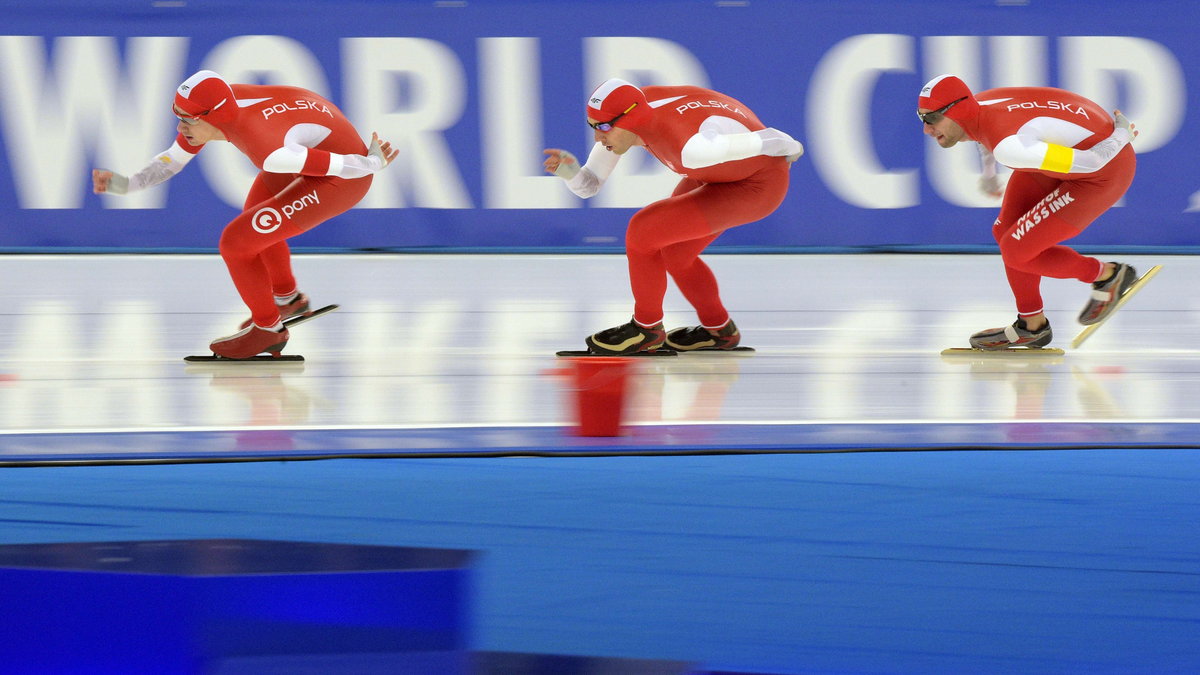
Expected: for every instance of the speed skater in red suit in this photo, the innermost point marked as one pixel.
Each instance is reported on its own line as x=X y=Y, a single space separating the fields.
x=734 y=170
x=1071 y=162
x=313 y=165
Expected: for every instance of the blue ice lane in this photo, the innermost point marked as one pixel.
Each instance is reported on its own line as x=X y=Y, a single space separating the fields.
x=268 y=444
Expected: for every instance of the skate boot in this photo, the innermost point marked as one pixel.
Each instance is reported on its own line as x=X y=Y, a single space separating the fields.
x=1016 y=335
x=250 y=342
x=627 y=339
x=297 y=307
x=694 y=338
x=1105 y=294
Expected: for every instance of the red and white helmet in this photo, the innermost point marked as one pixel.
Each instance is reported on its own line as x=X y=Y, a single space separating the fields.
x=944 y=90
x=615 y=98
x=208 y=96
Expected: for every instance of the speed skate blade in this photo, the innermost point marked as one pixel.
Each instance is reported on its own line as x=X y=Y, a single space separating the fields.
x=712 y=350
x=301 y=318
x=584 y=352
x=221 y=369
x=1010 y=352
x=282 y=358
x=1137 y=286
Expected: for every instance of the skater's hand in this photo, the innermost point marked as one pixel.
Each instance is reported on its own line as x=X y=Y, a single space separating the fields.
x=990 y=185
x=561 y=163
x=1122 y=122
x=382 y=149
x=776 y=143
x=105 y=181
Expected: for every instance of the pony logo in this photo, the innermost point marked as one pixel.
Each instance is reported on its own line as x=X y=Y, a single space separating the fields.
x=595 y=100
x=266 y=220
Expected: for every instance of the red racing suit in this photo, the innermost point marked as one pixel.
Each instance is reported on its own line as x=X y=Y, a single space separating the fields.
x=296 y=139
x=1069 y=166
x=667 y=236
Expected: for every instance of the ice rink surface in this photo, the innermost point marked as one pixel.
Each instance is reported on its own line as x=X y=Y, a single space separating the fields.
x=457 y=351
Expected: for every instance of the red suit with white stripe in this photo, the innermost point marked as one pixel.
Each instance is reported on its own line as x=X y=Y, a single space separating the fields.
x=1070 y=164
x=296 y=139
x=312 y=166
x=734 y=171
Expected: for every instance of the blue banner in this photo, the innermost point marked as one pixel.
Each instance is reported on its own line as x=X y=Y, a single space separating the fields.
x=472 y=91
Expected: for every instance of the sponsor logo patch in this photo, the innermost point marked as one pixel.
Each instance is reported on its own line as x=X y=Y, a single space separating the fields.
x=708 y=104
x=298 y=104
x=1051 y=203
x=268 y=219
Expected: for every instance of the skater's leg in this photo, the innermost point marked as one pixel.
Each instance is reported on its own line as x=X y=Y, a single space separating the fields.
x=277 y=258
x=671 y=233
x=696 y=280
x=1023 y=192
x=1030 y=232
x=239 y=247
x=303 y=204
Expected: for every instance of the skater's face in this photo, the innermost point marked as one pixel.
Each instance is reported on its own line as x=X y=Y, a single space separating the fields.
x=615 y=139
x=942 y=129
x=195 y=130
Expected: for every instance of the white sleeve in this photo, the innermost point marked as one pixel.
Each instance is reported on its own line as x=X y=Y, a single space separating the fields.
x=1021 y=151
x=163 y=167
x=355 y=166
x=987 y=161
x=721 y=139
x=591 y=176
x=298 y=155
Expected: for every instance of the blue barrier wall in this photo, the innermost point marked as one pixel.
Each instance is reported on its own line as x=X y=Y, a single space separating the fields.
x=472 y=91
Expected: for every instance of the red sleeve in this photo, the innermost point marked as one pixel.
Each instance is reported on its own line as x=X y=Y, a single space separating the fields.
x=316 y=163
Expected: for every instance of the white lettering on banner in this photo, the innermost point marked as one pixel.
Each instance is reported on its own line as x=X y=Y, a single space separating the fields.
x=97 y=104
x=87 y=103
x=270 y=59
x=639 y=179
x=1140 y=77
x=510 y=130
x=300 y=104
x=1016 y=61
x=838 y=108
x=374 y=70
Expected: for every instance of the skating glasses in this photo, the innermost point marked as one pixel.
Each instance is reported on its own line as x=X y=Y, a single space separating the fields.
x=935 y=116
x=607 y=126
x=188 y=120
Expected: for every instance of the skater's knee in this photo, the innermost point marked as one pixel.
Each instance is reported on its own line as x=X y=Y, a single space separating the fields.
x=1015 y=254
x=678 y=262
x=641 y=237
x=232 y=246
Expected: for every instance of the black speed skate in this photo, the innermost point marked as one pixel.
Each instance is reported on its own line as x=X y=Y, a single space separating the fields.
x=628 y=338
x=1016 y=335
x=695 y=338
x=1105 y=294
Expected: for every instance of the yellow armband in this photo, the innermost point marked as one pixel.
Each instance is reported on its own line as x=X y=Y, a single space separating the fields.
x=1058 y=159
